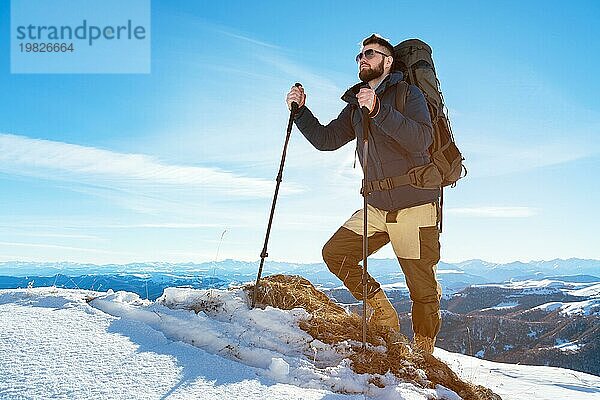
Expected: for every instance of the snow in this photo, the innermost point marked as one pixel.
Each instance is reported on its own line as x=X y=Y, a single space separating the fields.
x=395 y=286
x=55 y=345
x=586 y=307
x=565 y=345
x=532 y=334
x=449 y=271
x=590 y=291
x=549 y=307
x=502 y=306
x=527 y=284
x=122 y=347
x=549 y=287
x=532 y=285
x=516 y=382
x=278 y=366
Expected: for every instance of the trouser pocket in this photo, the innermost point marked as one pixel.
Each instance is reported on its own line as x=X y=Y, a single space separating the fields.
x=425 y=291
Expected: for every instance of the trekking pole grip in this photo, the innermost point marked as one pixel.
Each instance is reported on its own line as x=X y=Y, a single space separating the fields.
x=365 y=122
x=294 y=104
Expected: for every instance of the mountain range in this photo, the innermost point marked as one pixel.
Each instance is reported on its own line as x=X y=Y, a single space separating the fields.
x=452 y=276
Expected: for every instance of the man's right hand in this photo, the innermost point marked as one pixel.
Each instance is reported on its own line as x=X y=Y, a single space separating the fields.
x=296 y=94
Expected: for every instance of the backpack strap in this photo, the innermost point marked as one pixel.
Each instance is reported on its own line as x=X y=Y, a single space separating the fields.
x=401 y=95
x=402 y=89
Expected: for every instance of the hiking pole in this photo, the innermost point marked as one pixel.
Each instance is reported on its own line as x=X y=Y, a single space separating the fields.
x=365 y=193
x=264 y=253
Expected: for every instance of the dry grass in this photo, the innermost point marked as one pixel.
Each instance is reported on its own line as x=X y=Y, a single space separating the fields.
x=331 y=324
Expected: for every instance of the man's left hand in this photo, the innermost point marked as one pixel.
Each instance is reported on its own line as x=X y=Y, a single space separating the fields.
x=366 y=98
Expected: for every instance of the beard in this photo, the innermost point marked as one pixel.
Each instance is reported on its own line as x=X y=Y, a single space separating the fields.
x=367 y=75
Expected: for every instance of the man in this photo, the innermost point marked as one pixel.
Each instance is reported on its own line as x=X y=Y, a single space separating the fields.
x=406 y=215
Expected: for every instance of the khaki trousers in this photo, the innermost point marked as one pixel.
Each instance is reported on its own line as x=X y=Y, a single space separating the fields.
x=414 y=236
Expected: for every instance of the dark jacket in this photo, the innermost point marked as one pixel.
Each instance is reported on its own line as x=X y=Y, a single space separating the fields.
x=398 y=142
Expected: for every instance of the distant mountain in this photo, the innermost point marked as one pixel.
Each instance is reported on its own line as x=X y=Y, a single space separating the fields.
x=452 y=277
x=148 y=286
x=531 y=270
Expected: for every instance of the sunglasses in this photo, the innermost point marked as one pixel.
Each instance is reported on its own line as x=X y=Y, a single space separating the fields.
x=369 y=54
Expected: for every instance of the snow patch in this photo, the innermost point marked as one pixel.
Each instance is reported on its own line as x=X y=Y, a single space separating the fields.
x=395 y=286
x=564 y=345
x=587 y=307
x=590 y=291
x=548 y=286
x=549 y=307
x=502 y=306
x=515 y=382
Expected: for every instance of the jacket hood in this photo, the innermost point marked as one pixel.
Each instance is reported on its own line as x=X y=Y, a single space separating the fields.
x=393 y=78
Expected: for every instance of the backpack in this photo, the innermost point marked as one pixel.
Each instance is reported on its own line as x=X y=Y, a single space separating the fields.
x=413 y=58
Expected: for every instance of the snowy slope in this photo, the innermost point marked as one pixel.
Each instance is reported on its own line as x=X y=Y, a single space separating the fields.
x=518 y=382
x=55 y=345
x=586 y=307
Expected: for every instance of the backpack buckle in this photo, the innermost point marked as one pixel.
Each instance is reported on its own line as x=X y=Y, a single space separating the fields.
x=369 y=188
x=385 y=184
x=412 y=175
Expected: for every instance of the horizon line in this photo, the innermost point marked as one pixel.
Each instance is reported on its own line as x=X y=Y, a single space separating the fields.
x=273 y=261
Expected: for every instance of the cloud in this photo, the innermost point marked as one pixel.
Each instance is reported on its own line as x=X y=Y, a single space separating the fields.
x=494 y=212
x=166 y=225
x=271 y=54
x=244 y=38
x=56 y=235
x=54 y=160
x=300 y=72
x=495 y=159
x=57 y=247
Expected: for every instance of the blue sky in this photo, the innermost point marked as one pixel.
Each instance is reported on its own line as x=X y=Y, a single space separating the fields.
x=111 y=168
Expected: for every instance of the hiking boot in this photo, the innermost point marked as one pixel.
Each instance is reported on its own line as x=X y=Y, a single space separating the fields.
x=384 y=313
x=423 y=344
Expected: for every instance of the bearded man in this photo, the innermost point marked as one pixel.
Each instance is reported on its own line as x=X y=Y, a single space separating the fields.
x=405 y=215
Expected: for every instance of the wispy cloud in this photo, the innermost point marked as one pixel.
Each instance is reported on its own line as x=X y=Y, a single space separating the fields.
x=166 y=225
x=495 y=157
x=94 y=224
x=244 y=38
x=494 y=212
x=55 y=160
x=294 y=69
x=57 y=235
x=57 y=247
